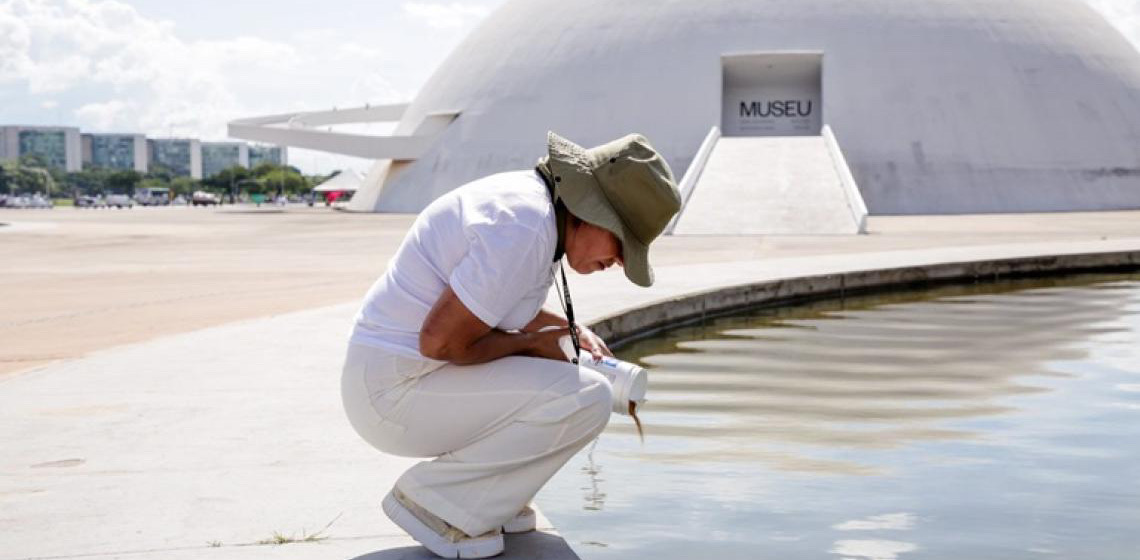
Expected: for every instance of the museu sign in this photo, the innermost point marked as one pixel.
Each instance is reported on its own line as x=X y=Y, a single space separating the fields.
x=782 y=108
x=772 y=94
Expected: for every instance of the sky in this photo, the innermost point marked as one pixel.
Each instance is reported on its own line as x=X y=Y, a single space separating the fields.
x=172 y=68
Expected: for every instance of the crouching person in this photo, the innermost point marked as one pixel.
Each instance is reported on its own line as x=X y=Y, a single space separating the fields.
x=453 y=358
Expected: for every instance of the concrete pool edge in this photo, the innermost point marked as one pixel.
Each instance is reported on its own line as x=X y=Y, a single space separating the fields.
x=652 y=317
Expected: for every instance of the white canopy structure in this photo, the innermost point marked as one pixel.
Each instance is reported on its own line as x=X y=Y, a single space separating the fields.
x=348 y=180
x=939 y=106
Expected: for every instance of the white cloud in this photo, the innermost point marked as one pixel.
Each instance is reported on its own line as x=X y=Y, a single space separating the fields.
x=101 y=116
x=155 y=81
x=15 y=42
x=372 y=86
x=893 y=521
x=445 y=16
x=49 y=104
x=136 y=74
x=1122 y=14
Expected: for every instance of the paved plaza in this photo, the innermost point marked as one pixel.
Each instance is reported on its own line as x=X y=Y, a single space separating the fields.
x=169 y=377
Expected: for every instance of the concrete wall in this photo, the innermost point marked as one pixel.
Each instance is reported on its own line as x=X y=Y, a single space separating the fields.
x=140 y=153
x=9 y=145
x=941 y=106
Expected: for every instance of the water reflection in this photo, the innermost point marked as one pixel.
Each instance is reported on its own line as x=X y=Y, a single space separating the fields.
x=886 y=521
x=594 y=497
x=979 y=421
x=874 y=549
x=880 y=374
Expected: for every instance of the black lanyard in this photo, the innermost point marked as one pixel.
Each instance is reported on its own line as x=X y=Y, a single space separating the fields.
x=564 y=296
x=568 y=309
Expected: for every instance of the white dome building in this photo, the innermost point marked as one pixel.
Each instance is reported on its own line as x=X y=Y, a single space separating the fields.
x=939 y=106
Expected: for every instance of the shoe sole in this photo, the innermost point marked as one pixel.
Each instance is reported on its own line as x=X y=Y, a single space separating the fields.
x=522 y=523
x=472 y=548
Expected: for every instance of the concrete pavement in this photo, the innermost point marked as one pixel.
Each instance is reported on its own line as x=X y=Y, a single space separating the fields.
x=200 y=445
x=213 y=443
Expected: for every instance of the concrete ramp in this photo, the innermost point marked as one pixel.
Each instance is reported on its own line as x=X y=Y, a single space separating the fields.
x=787 y=185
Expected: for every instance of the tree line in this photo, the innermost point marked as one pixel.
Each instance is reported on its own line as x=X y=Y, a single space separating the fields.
x=30 y=174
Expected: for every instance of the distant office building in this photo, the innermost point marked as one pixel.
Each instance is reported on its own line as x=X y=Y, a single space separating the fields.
x=58 y=146
x=182 y=156
x=115 y=151
x=267 y=154
x=217 y=156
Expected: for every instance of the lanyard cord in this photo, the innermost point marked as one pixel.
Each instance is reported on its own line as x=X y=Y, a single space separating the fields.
x=568 y=309
x=564 y=295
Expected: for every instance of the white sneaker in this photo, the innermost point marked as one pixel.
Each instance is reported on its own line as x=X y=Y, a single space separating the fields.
x=436 y=534
x=522 y=522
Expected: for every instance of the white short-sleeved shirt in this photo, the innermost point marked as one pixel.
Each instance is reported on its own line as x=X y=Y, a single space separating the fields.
x=491 y=240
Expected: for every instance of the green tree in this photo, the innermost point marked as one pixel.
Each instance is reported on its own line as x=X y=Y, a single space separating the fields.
x=91 y=180
x=230 y=181
x=227 y=178
x=184 y=186
x=148 y=181
x=159 y=172
x=22 y=179
x=264 y=168
x=282 y=179
x=123 y=182
x=33 y=160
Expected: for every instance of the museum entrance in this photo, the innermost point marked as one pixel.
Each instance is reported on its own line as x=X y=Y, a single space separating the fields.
x=772 y=94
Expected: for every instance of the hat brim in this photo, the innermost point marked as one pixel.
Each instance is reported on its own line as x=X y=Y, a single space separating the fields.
x=635 y=257
x=572 y=166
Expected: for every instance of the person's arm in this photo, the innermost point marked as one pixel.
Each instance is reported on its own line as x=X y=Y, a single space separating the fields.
x=452 y=333
x=545 y=319
x=586 y=337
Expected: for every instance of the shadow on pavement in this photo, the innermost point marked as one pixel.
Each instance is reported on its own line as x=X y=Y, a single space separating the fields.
x=536 y=545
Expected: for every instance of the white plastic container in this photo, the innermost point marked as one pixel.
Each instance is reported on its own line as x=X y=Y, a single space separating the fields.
x=629 y=381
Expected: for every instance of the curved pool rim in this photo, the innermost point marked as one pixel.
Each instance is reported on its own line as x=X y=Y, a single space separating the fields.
x=640 y=321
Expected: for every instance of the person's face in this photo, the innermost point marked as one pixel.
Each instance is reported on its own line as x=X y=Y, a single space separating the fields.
x=590 y=248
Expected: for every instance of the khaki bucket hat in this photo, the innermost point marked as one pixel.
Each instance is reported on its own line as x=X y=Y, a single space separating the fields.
x=624 y=187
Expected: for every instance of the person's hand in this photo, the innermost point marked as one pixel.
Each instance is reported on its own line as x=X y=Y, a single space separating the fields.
x=593 y=343
x=544 y=343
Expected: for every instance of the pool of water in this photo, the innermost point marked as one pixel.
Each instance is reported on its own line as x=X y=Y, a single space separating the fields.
x=985 y=421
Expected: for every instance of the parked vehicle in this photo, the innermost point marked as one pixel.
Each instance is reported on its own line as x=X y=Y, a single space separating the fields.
x=153 y=196
x=120 y=201
x=88 y=201
x=15 y=202
x=36 y=200
x=204 y=198
x=40 y=201
x=179 y=201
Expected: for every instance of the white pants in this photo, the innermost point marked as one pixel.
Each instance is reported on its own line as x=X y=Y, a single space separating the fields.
x=498 y=431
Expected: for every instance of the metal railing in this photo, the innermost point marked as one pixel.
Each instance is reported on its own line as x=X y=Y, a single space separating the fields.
x=693 y=174
x=855 y=202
